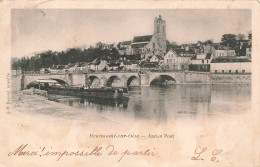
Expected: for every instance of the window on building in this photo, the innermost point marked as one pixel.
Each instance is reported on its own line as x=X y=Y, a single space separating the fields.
x=236 y=71
x=202 y=61
x=243 y=71
x=223 y=71
x=229 y=71
x=216 y=71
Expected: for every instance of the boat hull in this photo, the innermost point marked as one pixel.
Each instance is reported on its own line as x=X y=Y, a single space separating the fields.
x=116 y=93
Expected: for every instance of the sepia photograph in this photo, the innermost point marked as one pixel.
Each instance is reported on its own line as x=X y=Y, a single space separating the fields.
x=130 y=87
x=190 y=62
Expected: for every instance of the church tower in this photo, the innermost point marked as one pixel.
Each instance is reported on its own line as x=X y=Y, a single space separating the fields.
x=160 y=32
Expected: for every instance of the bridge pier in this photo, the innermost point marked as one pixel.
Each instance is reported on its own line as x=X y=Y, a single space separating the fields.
x=124 y=81
x=103 y=81
x=144 y=79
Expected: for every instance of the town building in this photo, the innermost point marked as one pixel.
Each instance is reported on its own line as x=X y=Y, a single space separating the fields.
x=56 y=69
x=83 y=67
x=126 y=65
x=224 y=52
x=124 y=48
x=69 y=68
x=175 y=61
x=113 y=65
x=200 y=62
x=107 y=46
x=157 y=58
x=97 y=65
x=230 y=64
x=149 y=66
x=44 y=71
x=185 y=52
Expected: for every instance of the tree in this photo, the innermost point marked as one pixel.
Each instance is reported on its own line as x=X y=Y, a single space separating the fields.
x=209 y=41
x=228 y=40
x=99 y=45
x=241 y=36
x=174 y=43
x=250 y=35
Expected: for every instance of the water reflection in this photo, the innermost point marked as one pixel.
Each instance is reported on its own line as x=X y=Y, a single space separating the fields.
x=172 y=102
x=88 y=102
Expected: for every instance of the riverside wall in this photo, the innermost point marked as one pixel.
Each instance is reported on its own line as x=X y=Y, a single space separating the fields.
x=196 y=77
x=16 y=83
x=217 y=78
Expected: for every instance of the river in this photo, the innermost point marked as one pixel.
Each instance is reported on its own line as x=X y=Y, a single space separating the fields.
x=166 y=103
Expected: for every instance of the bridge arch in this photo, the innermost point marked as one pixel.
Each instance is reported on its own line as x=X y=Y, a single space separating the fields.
x=133 y=80
x=114 y=81
x=93 y=80
x=44 y=83
x=161 y=78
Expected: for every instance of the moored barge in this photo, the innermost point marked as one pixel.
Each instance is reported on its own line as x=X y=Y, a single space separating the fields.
x=114 y=93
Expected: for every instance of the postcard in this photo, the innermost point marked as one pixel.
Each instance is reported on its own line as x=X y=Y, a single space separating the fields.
x=130 y=83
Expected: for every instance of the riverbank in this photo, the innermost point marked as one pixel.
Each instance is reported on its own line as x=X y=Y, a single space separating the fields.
x=35 y=102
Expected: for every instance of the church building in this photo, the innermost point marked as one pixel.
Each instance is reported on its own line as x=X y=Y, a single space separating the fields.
x=150 y=45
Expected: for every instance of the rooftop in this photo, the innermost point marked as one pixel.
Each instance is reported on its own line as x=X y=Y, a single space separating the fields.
x=202 y=56
x=227 y=59
x=145 y=38
x=126 y=43
x=139 y=45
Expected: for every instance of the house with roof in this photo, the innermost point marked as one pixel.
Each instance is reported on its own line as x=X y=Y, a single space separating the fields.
x=149 y=66
x=73 y=67
x=209 y=48
x=83 y=67
x=175 y=61
x=200 y=62
x=158 y=59
x=68 y=68
x=224 y=52
x=97 y=65
x=126 y=65
x=113 y=65
x=56 y=69
x=43 y=71
x=184 y=52
x=107 y=46
x=230 y=64
x=124 y=48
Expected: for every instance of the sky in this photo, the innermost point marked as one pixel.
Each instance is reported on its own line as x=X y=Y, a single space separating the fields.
x=37 y=30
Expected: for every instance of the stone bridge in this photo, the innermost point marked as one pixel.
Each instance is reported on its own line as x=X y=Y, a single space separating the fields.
x=147 y=78
x=104 y=79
